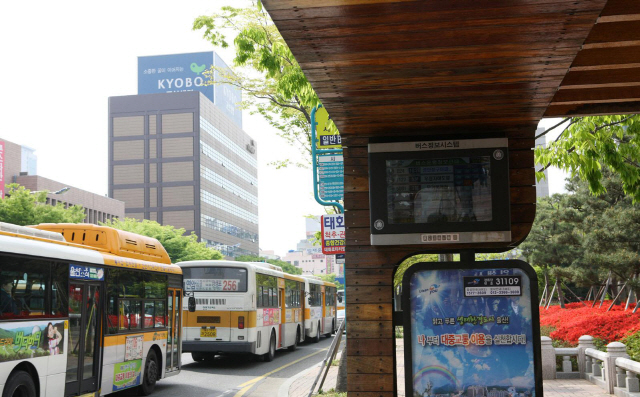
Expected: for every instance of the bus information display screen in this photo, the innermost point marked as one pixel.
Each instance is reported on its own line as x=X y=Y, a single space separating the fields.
x=452 y=191
x=444 y=190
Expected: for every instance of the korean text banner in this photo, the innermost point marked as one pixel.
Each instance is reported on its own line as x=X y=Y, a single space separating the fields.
x=184 y=72
x=471 y=333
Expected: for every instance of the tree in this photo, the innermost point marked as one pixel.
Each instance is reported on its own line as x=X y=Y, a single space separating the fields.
x=331 y=278
x=23 y=207
x=266 y=71
x=286 y=266
x=586 y=237
x=179 y=247
x=587 y=144
x=407 y=263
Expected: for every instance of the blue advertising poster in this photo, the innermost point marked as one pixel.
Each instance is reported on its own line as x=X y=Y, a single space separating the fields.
x=184 y=72
x=471 y=332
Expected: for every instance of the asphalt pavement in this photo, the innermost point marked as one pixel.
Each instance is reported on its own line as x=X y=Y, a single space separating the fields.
x=238 y=375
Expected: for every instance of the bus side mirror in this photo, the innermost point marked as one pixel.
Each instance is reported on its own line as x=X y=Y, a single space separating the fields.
x=192 y=304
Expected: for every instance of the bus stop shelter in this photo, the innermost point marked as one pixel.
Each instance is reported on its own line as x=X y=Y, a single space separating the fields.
x=433 y=68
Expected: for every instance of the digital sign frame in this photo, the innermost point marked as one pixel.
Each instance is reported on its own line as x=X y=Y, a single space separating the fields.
x=472 y=328
x=449 y=191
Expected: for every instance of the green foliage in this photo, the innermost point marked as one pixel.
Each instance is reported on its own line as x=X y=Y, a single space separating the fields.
x=407 y=263
x=633 y=345
x=21 y=207
x=179 y=247
x=590 y=143
x=331 y=278
x=286 y=266
x=272 y=81
x=582 y=237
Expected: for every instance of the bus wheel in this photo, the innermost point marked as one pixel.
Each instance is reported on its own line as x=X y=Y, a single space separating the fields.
x=197 y=356
x=295 y=344
x=151 y=374
x=20 y=384
x=316 y=339
x=272 y=348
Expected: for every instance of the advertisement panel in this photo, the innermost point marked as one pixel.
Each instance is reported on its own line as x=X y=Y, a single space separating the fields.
x=227 y=97
x=269 y=317
x=31 y=339
x=472 y=330
x=333 y=234
x=184 y=72
x=126 y=375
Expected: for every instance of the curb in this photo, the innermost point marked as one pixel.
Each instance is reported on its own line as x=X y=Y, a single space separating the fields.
x=284 y=388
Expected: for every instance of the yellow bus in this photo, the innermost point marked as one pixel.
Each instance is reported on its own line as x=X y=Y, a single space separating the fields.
x=85 y=310
x=320 y=313
x=241 y=307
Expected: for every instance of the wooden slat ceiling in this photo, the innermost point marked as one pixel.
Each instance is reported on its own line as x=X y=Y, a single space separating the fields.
x=395 y=66
x=605 y=76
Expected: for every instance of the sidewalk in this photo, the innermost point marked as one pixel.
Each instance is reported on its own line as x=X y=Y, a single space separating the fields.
x=552 y=388
x=303 y=382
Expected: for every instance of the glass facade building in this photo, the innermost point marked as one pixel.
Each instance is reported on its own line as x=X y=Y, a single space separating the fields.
x=178 y=159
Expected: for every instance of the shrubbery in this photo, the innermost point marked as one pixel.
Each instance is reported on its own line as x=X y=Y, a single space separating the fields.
x=566 y=326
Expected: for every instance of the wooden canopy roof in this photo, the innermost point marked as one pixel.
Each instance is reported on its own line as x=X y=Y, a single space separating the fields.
x=395 y=66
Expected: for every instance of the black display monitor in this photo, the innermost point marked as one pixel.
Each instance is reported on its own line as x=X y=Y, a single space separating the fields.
x=439 y=192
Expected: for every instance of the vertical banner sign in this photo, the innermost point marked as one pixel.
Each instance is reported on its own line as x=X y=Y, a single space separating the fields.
x=331 y=176
x=472 y=330
x=326 y=138
x=1 y=170
x=333 y=234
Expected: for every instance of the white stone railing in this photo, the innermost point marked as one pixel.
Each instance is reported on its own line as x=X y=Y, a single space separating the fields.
x=611 y=370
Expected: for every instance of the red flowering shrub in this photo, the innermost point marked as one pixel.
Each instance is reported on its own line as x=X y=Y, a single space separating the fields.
x=577 y=320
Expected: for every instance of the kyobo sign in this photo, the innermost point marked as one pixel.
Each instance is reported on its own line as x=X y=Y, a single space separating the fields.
x=184 y=72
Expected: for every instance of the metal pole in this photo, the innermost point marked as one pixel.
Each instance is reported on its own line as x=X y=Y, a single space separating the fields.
x=329 y=353
x=333 y=356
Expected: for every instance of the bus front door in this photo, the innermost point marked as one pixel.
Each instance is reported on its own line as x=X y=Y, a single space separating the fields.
x=83 y=345
x=174 y=327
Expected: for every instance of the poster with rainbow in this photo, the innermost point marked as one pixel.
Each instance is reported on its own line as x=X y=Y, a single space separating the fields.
x=471 y=333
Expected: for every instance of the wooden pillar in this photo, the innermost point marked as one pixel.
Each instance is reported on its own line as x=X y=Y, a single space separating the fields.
x=369 y=269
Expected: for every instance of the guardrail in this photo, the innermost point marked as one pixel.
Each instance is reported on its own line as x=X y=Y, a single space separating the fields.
x=612 y=370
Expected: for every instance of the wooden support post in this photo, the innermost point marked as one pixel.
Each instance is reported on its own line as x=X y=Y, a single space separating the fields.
x=606 y=288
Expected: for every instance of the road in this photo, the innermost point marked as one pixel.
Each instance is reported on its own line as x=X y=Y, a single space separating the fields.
x=236 y=376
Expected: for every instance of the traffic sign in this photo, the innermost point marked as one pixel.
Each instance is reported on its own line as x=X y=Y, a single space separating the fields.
x=331 y=176
x=333 y=234
x=327 y=139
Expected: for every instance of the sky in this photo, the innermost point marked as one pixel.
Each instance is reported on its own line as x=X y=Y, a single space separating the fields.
x=61 y=63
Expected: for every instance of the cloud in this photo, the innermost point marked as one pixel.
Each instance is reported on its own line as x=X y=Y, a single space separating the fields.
x=481 y=367
x=454 y=361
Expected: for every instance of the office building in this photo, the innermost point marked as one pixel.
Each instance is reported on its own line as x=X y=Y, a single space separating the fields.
x=180 y=159
x=542 y=186
x=18 y=164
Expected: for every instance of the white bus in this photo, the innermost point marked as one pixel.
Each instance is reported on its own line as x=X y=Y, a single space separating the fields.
x=240 y=307
x=320 y=312
x=85 y=310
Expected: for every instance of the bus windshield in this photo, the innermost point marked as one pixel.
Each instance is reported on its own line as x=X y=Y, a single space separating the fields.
x=215 y=279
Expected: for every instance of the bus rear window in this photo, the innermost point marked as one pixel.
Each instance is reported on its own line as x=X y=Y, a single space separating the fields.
x=215 y=279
